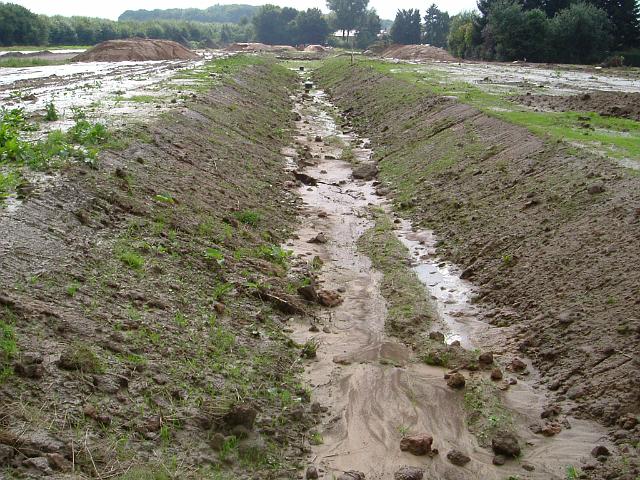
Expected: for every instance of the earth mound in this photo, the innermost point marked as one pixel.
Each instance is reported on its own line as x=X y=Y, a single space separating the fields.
x=258 y=47
x=315 y=48
x=418 y=53
x=135 y=50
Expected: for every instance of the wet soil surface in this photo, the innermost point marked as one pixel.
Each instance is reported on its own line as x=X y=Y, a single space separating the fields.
x=133 y=335
x=610 y=104
x=376 y=390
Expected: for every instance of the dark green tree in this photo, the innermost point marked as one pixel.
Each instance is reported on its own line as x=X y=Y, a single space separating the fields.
x=625 y=19
x=407 y=28
x=369 y=28
x=461 y=34
x=436 y=27
x=19 y=26
x=580 y=34
x=517 y=34
x=311 y=27
x=270 y=25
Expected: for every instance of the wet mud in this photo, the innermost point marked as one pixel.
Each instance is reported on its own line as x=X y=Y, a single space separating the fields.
x=376 y=390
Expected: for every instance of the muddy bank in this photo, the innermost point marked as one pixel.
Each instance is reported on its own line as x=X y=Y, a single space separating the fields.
x=610 y=104
x=131 y=302
x=548 y=237
x=417 y=53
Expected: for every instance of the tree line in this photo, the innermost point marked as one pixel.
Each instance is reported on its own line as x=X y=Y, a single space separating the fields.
x=537 y=30
x=20 y=26
x=214 y=14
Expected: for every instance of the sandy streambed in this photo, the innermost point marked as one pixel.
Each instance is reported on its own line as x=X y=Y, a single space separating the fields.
x=375 y=390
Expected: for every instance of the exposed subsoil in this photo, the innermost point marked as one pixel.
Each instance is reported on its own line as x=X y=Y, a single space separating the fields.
x=144 y=344
x=417 y=53
x=610 y=104
x=375 y=388
x=136 y=50
x=550 y=239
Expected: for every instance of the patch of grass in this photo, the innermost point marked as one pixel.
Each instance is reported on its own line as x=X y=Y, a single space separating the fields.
x=29 y=62
x=310 y=349
x=142 y=99
x=572 y=473
x=82 y=358
x=131 y=259
x=486 y=414
x=406 y=297
x=146 y=473
x=316 y=439
x=8 y=345
x=249 y=217
x=73 y=288
x=51 y=114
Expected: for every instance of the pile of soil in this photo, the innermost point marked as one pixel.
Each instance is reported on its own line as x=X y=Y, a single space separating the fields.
x=550 y=237
x=315 y=48
x=136 y=50
x=258 y=48
x=610 y=104
x=417 y=53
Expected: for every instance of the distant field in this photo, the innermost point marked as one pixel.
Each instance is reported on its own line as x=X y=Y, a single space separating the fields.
x=41 y=48
x=29 y=62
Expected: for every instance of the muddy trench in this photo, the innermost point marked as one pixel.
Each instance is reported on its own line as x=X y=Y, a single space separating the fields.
x=377 y=392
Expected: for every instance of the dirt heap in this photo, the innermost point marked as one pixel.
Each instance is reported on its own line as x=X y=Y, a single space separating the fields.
x=258 y=47
x=315 y=48
x=417 y=53
x=610 y=104
x=135 y=50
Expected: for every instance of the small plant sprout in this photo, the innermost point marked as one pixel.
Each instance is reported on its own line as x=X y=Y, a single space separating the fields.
x=52 y=113
x=310 y=349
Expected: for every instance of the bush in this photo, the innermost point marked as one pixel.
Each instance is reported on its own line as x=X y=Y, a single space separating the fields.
x=461 y=35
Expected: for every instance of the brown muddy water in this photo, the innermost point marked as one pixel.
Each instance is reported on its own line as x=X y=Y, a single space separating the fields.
x=375 y=389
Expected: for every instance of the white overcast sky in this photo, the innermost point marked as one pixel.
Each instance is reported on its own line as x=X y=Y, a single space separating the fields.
x=113 y=8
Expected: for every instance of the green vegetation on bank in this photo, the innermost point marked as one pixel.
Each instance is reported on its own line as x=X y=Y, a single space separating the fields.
x=609 y=136
x=29 y=62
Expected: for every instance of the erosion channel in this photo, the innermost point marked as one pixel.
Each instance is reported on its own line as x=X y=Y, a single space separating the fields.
x=375 y=388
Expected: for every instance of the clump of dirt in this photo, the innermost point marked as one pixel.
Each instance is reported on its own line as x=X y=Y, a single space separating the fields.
x=547 y=235
x=609 y=104
x=136 y=50
x=417 y=53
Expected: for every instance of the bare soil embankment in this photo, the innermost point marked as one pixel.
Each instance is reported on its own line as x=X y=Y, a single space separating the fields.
x=136 y=50
x=129 y=298
x=611 y=104
x=417 y=53
x=550 y=238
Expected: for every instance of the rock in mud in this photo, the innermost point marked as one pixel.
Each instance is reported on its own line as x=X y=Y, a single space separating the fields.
x=365 y=172
x=38 y=463
x=437 y=336
x=600 y=451
x=409 y=473
x=6 y=454
x=518 y=365
x=58 y=462
x=305 y=179
x=241 y=414
x=486 y=359
x=329 y=298
x=417 y=444
x=456 y=381
x=596 y=188
x=30 y=366
x=505 y=443
x=352 y=475
x=496 y=375
x=499 y=460
x=309 y=293
x=320 y=239
x=312 y=473
x=217 y=442
x=458 y=458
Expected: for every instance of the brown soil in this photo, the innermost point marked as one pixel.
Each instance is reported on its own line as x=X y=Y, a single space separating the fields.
x=610 y=104
x=417 y=53
x=136 y=50
x=129 y=290
x=315 y=48
x=259 y=47
x=550 y=238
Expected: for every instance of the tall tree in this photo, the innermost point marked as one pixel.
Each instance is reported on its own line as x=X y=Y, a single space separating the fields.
x=407 y=27
x=436 y=26
x=625 y=19
x=270 y=25
x=348 y=13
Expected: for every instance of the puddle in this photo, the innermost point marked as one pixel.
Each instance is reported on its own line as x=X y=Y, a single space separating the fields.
x=374 y=388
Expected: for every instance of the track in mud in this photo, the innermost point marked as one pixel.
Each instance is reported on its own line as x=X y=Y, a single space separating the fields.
x=373 y=385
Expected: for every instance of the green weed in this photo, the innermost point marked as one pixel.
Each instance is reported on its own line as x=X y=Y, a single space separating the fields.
x=316 y=439
x=249 y=217
x=8 y=345
x=132 y=259
x=52 y=113
x=310 y=348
